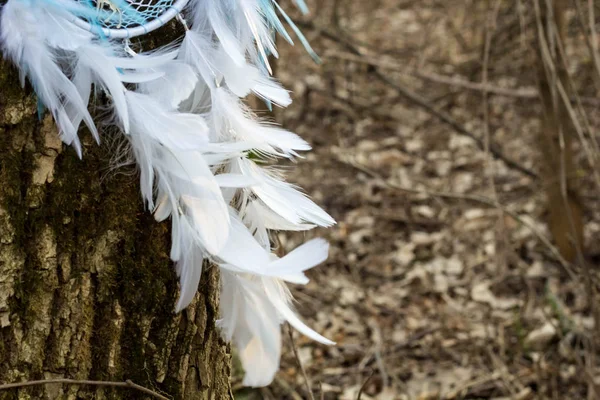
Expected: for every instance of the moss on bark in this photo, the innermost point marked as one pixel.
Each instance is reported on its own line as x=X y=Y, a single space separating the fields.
x=87 y=290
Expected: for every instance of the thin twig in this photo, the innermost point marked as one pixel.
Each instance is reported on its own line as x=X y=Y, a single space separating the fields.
x=378 y=350
x=556 y=36
x=288 y=388
x=489 y=33
x=421 y=102
x=463 y=389
x=364 y=385
x=295 y=350
x=590 y=37
x=65 y=381
x=526 y=93
x=461 y=82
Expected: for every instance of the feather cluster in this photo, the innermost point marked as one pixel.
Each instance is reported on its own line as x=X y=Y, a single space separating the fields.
x=199 y=148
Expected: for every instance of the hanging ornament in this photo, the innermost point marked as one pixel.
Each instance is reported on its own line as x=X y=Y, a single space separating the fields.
x=198 y=147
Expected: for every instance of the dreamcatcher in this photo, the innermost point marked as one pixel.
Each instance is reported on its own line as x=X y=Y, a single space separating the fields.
x=198 y=146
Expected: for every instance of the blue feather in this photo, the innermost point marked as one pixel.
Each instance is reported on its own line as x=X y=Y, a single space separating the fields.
x=41 y=109
x=301 y=4
x=299 y=33
x=273 y=20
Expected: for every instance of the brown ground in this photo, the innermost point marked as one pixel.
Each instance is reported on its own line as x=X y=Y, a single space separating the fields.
x=434 y=295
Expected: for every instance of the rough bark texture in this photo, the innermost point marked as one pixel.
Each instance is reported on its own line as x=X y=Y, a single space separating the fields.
x=87 y=289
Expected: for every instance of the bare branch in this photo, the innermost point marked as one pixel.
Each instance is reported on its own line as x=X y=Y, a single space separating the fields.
x=65 y=381
x=306 y=380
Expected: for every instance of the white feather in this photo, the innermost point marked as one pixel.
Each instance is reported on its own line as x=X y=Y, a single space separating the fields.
x=200 y=196
x=268 y=88
x=140 y=77
x=278 y=297
x=189 y=264
x=244 y=78
x=251 y=314
x=176 y=84
x=302 y=258
x=272 y=220
x=105 y=74
x=67 y=130
x=283 y=198
x=234 y=180
x=258 y=27
x=54 y=23
x=260 y=219
x=26 y=30
x=244 y=254
x=233 y=120
x=252 y=322
x=163 y=208
x=216 y=14
x=197 y=50
x=154 y=59
x=253 y=219
x=211 y=227
x=82 y=79
x=144 y=150
x=239 y=78
x=174 y=130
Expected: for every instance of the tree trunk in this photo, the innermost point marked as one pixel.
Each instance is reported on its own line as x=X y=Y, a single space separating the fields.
x=87 y=290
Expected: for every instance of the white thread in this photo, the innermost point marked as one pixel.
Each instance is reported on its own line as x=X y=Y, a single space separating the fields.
x=124 y=32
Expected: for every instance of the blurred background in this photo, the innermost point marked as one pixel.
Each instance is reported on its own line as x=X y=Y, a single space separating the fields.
x=456 y=144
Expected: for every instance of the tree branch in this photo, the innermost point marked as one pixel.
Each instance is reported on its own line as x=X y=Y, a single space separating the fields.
x=423 y=103
x=65 y=381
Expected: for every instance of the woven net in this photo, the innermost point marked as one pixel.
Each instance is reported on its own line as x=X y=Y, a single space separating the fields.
x=115 y=14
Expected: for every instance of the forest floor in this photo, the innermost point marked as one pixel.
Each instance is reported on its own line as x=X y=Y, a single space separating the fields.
x=443 y=281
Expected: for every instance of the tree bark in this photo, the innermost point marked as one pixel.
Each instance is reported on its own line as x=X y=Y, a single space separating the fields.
x=87 y=290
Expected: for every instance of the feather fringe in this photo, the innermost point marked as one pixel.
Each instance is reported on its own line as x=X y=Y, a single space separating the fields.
x=199 y=148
